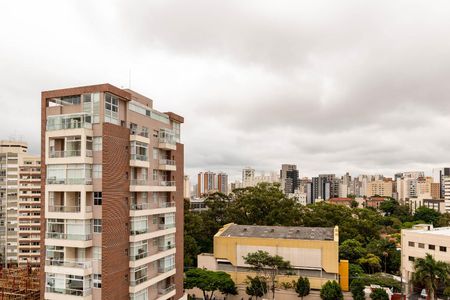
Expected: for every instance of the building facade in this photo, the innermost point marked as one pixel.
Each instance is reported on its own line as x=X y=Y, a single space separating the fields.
x=20 y=197
x=207 y=183
x=383 y=187
x=312 y=252
x=112 y=214
x=289 y=178
x=222 y=183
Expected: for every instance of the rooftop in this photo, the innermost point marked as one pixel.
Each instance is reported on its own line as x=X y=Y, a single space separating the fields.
x=279 y=232
x=445 y=231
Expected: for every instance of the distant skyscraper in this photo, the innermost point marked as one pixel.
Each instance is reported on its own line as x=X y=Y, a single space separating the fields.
x=186 y=187
x=20 y=198
x=248 y=175
x=289 y=178
x=207 y=183
x=222 y=183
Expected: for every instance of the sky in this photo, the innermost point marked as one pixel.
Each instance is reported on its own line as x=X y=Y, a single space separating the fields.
x=332 y=86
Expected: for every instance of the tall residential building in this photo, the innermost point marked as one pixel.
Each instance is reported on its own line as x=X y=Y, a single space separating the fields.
x=222 y=183
x=186 y=187
x=112 y=219
x=442 y=176
x=248 y=175
x=20 y=198
x=289 y=178
x=207 y=183
x=382 y=188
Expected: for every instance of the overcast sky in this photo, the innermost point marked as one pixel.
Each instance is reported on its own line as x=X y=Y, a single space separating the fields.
x=333 y=86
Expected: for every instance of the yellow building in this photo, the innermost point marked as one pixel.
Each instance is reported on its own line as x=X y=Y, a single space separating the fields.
x=383 y=187
x=312 y=251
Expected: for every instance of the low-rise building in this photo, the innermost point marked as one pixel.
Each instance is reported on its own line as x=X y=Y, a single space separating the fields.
x=436 y=204
x=312 y=252
x=341 y=201
x=374 y=202
x=419 y=241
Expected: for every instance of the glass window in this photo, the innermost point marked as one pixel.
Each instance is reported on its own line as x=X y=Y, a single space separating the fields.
x=142 y=295
x=97 y=171
x=97 y=198
x=98 y=143
x=431 y=247
x=139 y=225
x=442 y=249
x=155 y=153
x=97 y=225
x=411 y=244
x=97 y=280
x=421 y=245
x=138 y=275
x=97 y=253
x=411 y=258
x=111 y=109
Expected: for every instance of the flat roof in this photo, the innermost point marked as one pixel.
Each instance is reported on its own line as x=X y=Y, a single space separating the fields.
x=445 y=231
x=280 y=232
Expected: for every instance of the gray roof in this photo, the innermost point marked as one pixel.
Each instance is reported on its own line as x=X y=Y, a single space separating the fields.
x=280 y=232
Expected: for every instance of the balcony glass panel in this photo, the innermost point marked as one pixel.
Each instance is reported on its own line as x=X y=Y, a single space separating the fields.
x=71 y=121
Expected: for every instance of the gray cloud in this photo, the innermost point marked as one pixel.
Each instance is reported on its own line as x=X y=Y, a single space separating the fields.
x=353 y=85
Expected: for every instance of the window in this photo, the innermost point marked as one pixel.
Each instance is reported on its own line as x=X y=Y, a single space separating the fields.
x=98 y=143
x=442 y=249
x=97 y=171
x=138 y=275
x=431 y=247
x=421 y=245
x=139 y=225
x=111 y=109
x=411 y=258
x=97 y=253
x=97 y=225
x=97 y=280
x=97 y=198
x=155 y=153
x=142 y=295
x=155 y=175
x=411 y=244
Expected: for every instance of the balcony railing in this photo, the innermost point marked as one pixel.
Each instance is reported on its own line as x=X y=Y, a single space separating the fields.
x=140 y=206
x=165 y=204
x=139 y=231
x=140 y=133
x=151 y=183
x=68 y=209
x=65 y=153
x=138 y=256
x=68 y=263
x=165 y=269
x=140 y=157
x=167 y=162
x=164 y=291
x=69 y=291
x=165 y=247
x=66 y=236
x=138 y=281
x=167 y=140
x=166 y=226
x=139 y=182
x=82 y=181
x=166 y=183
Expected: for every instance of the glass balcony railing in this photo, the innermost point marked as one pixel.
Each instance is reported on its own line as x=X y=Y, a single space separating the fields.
x=69 y=291
x=151 y=183
x=77 y=181
x=165 y=247
x=139 y=256
x=66 y=236
x=72 y=121
x=167 y=140
x=140 y=157
x=164 y=291
x=168 y=162
x=68 y=209
x=165 y=269
x=166 y=226
x=138 y=231
x=68 y=263
x=65 y=153
x=138 y=281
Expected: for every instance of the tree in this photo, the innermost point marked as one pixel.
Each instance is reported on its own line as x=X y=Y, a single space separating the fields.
x=302 y=287
x=427 y=215
x=379 y=294
x=352 y=250
x=371 y=263
x=209 y=282
x=257 y=286
x=331 y=291
x=429 y=273
x=268 y=265
x=357 y=289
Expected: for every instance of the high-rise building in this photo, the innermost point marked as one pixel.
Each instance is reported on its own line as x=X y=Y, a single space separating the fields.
x=383 y=188
x=440 y=175
x=20 y=198
x=222 y=183
x=289 y=178
x=112 y=219
x=207 y=183
x=248 y=175
x=186 y=187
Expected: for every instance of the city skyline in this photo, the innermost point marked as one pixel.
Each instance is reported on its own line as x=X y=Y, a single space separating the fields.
x=306 y=87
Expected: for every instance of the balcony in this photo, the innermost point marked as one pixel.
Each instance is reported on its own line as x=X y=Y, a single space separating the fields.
x=145 y=185
x=165 y=291
x=165 y=226
x=67 y=209
x=68 y=263
x=138 y=231
x=140 y=157
x=66 y=236
x=165 y=269
x=138 y=281
x=167 y=165
x=69 y=291
x=167 y=143
x=70 y=181
x=72 y=121
x=138 y=256
x=165 y=247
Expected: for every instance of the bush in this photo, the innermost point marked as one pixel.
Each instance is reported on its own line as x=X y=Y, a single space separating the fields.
x=379 y=294
x=331 y=291
x=357 y=289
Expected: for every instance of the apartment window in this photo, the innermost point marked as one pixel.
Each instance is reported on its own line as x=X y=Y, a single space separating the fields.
x=97 y=225
x=97 y=280
x=97 y=198
x=142 y=295
x=442 y=249
x=139 y=225
x=111 y=109
x=138 y=275
x=155 y=153
x=421 y=245
x=97 y=253
x=98 y=143
x=411 y=244
x=97 y=171
x=411 y=258
x=155 y=175
x=431 y=247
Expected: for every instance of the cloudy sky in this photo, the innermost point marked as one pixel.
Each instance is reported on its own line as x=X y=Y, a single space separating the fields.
x=333 y=86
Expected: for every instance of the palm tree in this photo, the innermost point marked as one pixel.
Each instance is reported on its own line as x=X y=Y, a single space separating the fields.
x=429 y=272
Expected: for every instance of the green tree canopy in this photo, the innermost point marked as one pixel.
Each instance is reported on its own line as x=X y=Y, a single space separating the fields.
x=429 y=273
x=302 y=287
x=256 y=286
x=379 y=294
x=352 y=250
x=209 y=282
x=427 y=215
x=357 y=289
x=331 y=290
